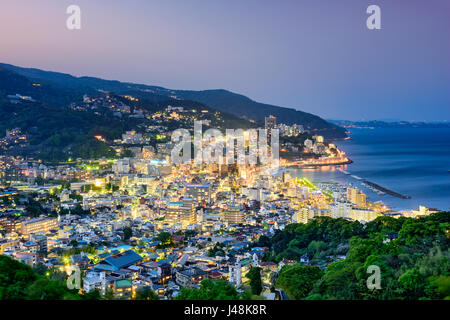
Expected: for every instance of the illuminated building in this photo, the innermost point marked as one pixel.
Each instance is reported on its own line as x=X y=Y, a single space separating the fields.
x=199 y=192
x=189 y=277
x=307 y=213
x=124 y=288
x=131 y=137
x=301 y=216
x=340 y=209
x=148 y=152
x=4 y=246
x=270 y=122
x=233 y=214
x=319 y=139
x=234 y=273
x=423 y=211
x=181 y=211
x=10 y=225
x=361 y=214
x=39 y=225
x=356 y=197
x=94 y=281
x=122 y=166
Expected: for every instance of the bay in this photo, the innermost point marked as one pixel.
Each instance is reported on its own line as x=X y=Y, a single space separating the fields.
x=410 y=161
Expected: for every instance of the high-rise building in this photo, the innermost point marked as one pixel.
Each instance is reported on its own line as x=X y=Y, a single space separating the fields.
x=361 y=200
x=270 y=122
x=233 y=214
x=301 y=216
x=356 y=197
x=181 y=211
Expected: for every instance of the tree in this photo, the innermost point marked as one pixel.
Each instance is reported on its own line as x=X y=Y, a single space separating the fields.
x=127 y=233
x=74 y=243
x=19 y=281
x=127 y=153
x=109 y=294
x=298 y=280
x=210 y=290
x=164 y=237
x=15 y=277
x=264 y=241
x=254 y=274
x=413 y=283
x=45 y=289
x=316 y=247
x=92 y=295
x=146 y=293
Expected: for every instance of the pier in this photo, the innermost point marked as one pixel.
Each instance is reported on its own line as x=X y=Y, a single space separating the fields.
x=387 y=191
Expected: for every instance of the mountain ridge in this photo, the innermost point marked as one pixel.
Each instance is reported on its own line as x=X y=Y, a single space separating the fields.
x=219 y=99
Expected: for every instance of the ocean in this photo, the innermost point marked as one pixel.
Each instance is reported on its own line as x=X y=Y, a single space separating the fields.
x=409 y=161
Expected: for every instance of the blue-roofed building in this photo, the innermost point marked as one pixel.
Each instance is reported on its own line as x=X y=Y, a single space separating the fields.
x=104 y=255
x=152 y=256
x=172 y=257
x=175 y=203
x=164 y=261
x=121 y=260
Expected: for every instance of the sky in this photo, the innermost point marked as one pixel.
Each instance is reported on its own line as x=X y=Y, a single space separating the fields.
x=316 y=56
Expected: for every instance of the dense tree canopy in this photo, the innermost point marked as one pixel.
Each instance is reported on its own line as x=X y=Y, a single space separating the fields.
x=298 y=280
x=19 y=281
x=210 y=290
x=413 y=257
x=254 y=274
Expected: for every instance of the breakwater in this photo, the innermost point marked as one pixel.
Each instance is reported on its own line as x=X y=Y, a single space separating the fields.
x=387 y=191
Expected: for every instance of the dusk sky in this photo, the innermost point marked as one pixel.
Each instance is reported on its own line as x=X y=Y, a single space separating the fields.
x=313 y=55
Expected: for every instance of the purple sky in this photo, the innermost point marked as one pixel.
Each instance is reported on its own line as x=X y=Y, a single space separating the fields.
x=313 y=55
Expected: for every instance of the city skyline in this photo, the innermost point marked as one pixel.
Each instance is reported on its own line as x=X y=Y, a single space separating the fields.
x=247 y=151
x=318 y=58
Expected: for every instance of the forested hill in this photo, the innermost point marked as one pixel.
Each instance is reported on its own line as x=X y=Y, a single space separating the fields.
x=413 y=256
x=245 y=107
x=71 y=88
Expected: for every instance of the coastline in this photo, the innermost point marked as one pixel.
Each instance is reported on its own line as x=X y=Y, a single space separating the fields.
x=411 y=161
x=314 y=165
